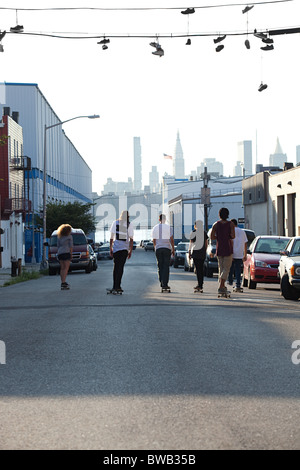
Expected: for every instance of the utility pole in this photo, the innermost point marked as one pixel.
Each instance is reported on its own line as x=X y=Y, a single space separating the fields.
x=205 y=197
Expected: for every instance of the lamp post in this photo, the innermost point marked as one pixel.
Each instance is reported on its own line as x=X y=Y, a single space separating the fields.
x=44 y=263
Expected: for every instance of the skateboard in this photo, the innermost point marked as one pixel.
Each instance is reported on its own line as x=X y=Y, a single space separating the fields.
x=67 y=287
x=225 y=295
x=165 y=289
x=198 y=290
x=113 y=291
x=235 y=289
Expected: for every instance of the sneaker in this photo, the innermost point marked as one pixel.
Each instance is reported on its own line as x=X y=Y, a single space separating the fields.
x=159 y=51
x=17 y=29
x=188 y=42
x=104 y=41
x=237 y=289
x=188 y=11
x=65 y=285
x=260 y=35
x=268 y=47
x=267 y=40
x=219 y=39
x=247 y=44
x=262 y=87
x=247 y=8
x=154 y=44
x=219 y=48
x=198 y=288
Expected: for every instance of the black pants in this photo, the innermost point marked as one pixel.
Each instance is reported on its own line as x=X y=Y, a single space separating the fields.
x=198 y=263
x=163 y=256
x=119 y=262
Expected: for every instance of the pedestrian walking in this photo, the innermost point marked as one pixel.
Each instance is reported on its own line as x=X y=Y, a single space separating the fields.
x=197 y=251
x=64 y=252
x=163 y=242
x=223 y=232
x=239 y=255
x=121 y=246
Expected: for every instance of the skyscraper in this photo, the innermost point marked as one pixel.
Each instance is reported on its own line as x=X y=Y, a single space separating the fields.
x=154 y=180
x=137 y=152
x=178 y=160
x=278 y=157
x=245 y=156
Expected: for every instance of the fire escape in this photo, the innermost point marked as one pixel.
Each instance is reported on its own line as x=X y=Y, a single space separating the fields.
x=19 y=204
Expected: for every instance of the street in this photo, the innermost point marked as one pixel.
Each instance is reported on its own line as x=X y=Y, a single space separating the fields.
x=147 y=370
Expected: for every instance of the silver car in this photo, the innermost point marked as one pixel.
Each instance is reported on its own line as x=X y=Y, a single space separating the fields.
x=289 y=270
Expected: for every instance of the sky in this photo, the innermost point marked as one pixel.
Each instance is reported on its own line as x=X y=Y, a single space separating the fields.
x=211 y=98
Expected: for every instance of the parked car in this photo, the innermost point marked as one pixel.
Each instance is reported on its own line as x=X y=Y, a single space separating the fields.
x=149 y=246
x=80 y=257
x=210 y=265
x=143 y=243
x=181 y=249
x=250 y=235
x=289 y=270
x=261 y=265
x=104 y=251
x=93 y=258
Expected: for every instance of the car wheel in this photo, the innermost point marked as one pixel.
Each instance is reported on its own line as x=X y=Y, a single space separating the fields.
x=288 y=291
x=251 y=284
x=175 y=264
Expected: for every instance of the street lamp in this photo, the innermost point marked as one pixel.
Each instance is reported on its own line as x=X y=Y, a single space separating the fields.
x=44 y=263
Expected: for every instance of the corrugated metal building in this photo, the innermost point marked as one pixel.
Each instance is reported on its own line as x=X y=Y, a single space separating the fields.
x=69 y=178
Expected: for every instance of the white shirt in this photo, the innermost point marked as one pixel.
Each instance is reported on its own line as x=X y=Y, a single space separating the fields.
x=121 y=239
x=239 y=243
x=162 y=233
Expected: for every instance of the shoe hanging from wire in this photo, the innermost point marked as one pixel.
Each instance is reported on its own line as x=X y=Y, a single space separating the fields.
x=188 y=11
x=262 y=86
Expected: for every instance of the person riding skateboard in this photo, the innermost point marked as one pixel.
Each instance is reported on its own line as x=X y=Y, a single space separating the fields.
x=223 y=232
x=163 y=242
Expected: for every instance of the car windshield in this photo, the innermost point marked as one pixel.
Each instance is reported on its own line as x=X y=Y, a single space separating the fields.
x=182 y=247
x=296 y=248
x=104 y=248
x=78 y=239
x=271 y=245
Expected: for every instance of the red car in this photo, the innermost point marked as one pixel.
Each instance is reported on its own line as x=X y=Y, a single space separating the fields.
x=262 y=260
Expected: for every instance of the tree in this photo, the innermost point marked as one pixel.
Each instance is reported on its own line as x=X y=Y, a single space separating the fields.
x=76 y=214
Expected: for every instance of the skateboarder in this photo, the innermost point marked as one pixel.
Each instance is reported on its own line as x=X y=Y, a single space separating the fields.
x=197 y=251
x=223 y=231
x=64 y=252
x=121 y=245
x=239 y=255
x=163 y=242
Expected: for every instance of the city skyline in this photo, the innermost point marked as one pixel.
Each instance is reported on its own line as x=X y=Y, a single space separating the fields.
x=211 y=97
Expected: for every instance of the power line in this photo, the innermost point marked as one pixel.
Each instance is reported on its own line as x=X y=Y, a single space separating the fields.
x=142 y=8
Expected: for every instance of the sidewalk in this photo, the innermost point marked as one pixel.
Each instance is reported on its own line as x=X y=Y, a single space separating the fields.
x=5 y=273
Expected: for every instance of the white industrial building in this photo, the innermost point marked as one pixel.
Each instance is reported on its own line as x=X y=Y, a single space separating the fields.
x=69 y=178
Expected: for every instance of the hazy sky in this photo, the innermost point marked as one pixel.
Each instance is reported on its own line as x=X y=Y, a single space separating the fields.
x=210 y=97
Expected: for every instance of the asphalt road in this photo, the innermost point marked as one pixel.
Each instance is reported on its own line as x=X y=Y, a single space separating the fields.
x=146 y=370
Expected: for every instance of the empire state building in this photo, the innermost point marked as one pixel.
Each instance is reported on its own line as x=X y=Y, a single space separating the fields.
x=178 y=160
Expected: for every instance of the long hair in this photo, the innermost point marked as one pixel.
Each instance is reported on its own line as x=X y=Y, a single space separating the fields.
x=124 y=218
x=64 y=230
